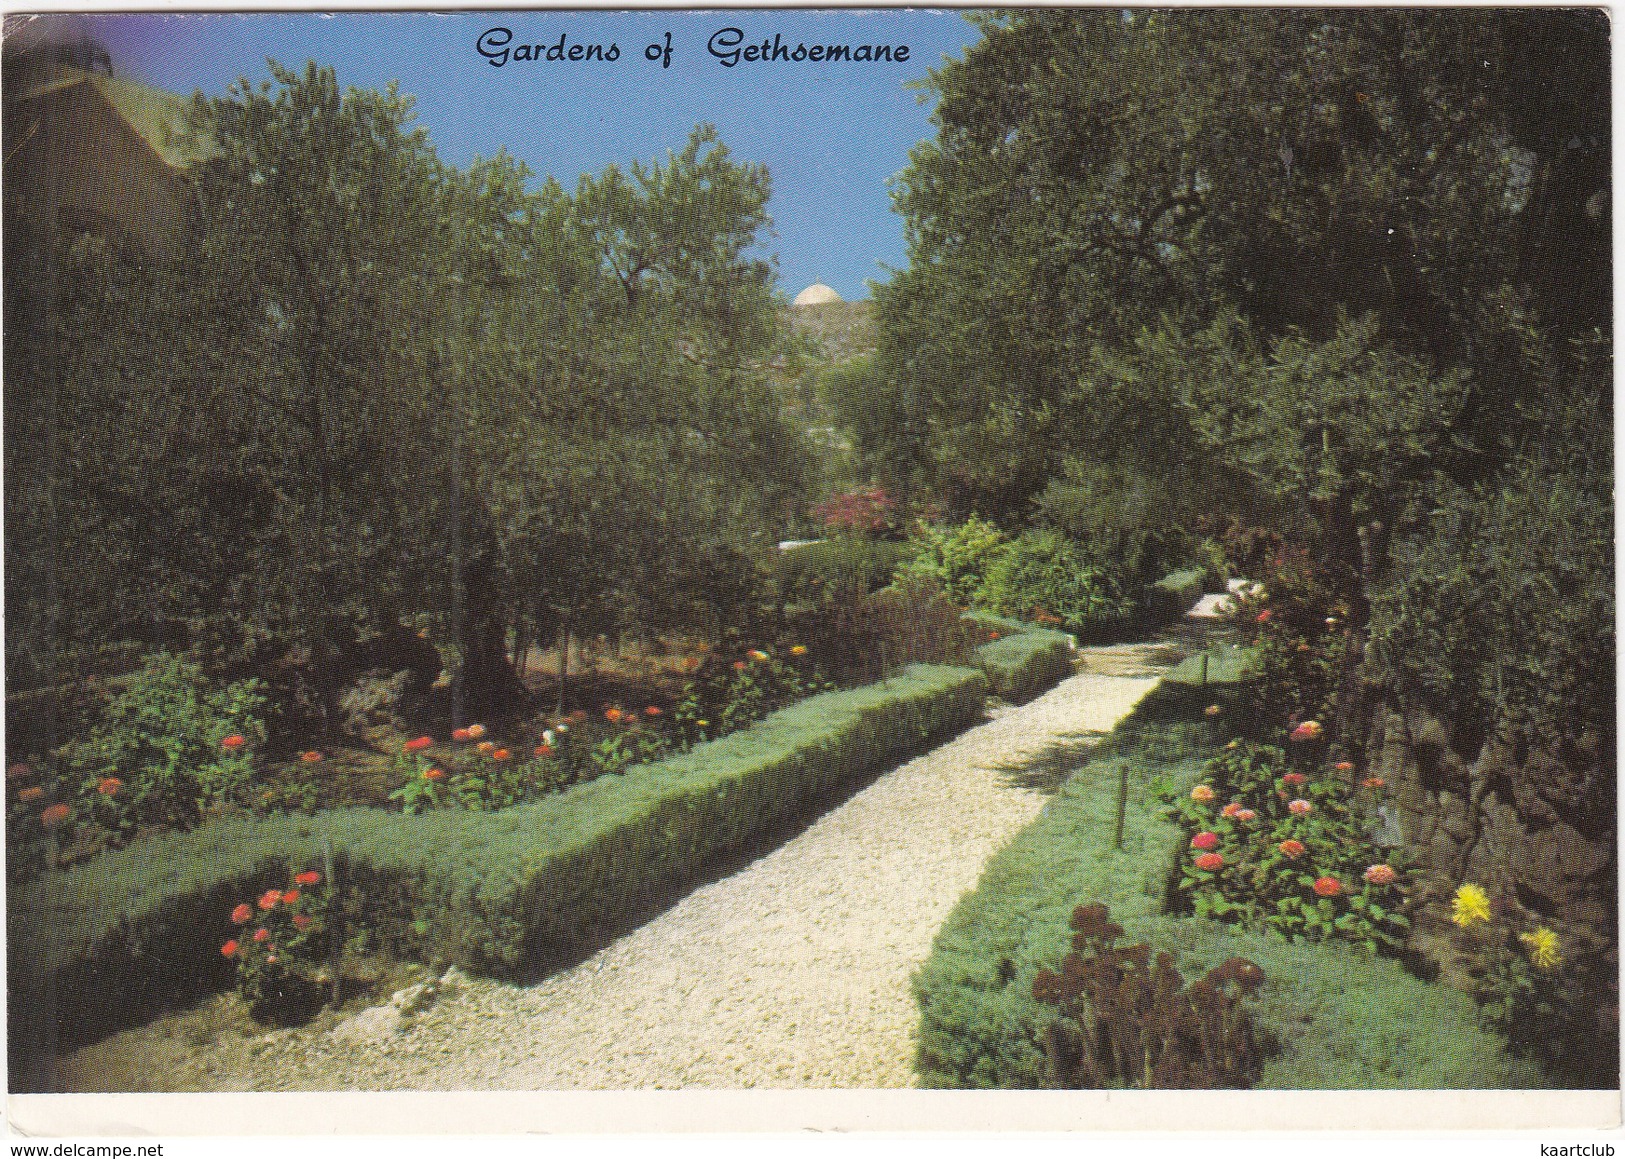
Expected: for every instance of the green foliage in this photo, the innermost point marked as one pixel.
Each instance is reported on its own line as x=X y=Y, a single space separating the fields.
x=1047 y=577
x=957 y=558
x=1343 y=1020
x=497 y=892
x=1127 y=1022
x=1173 y=595
x=155 y=755
x=842 y=568
x=281 y=943
x=1269 y=846
x=1299 y=633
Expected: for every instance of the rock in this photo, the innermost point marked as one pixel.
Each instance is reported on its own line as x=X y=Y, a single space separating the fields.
x=452 y=979
x=374 y=1025
x=415 y=998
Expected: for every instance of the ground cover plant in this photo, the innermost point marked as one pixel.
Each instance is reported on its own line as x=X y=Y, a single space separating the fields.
x=1341 y=1018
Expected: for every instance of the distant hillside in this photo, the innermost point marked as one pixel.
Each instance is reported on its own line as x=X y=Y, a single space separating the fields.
x=842 y=330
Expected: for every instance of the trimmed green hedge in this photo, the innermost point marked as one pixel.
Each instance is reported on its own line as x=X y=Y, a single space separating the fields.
x=1172 y=596
x=1025 y=660
x=1342 y=1020
x=501 y=893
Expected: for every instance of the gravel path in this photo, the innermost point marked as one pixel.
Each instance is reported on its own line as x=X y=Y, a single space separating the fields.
x=791 y=972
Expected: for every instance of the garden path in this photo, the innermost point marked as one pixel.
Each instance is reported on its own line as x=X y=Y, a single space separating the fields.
x=792 y=971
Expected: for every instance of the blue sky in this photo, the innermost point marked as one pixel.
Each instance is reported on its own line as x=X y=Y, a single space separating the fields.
x=830 y=134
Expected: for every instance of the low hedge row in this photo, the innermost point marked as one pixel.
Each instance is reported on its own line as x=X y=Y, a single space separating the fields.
x=1172 y=596
x=1025 y=660
x=139 y=929
x=1341 y=1020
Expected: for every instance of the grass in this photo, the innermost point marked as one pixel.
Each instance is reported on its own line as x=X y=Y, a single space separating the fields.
x=1341 y=1020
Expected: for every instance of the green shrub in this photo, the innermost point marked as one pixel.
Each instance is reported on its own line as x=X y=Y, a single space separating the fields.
x=1172 y=596
x=1342 y=1020
x=1046 y=577
x=841 y=568
x=155 y=757
x=958 y=558
x=498 y=892
x=1021 y=664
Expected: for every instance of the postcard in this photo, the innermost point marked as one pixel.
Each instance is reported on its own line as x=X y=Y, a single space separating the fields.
x=892 y=569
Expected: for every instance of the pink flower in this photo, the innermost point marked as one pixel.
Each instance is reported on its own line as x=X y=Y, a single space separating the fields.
x=1328 y=886
x=1381 y=875
x=1205 y=841
x=1245 y=815
x=1212 y=862
x=1294 y=779
x=1308 y=730
x=1299 y=806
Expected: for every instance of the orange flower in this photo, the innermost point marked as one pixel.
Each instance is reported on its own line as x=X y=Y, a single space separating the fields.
x=1292 y=849
x=475 y=731
x=1230 y=810
x=54 y=815
x=757 y=654
x=309 y=877
x=1373 y=782
x=312 y=757
x=32 y=793
x=261 y=934
x=416 y=746
x=613 y=715
x=230 y=948
x=434 y=774
x=740 y=666
x=235 y=741
x=290 y=897
x=461 y=735
x=1344 y=766
x=1328 y=886
x=501 y=755
x=1202 y=794
x=1212 y=862
x=1262 y=617
x=1245 y=815
x=242 y=913
x=544 y=750
x=109 y=786
x=992 y=635
x=652 y=710
x=269 y=898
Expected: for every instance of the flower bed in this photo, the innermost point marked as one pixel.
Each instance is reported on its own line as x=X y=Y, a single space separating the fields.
x=1342 y=1019
x=495 y=892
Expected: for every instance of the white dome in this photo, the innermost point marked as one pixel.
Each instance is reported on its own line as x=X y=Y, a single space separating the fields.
x=817 y=294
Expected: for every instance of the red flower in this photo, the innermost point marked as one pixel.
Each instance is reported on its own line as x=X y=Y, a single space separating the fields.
x=461 y=735
x=311 y=758
x=740 y=665
x=434 y=774
x=300 y=921
x=1328 y=886
x=614 y=714
x=109 y=786
x=1292 y=849
x=54 y=815
x=501 y=755
x=309 y=877
x=1294 y=779
x=652 y=710
x=544 y=750
x=992 y=635
x=242 y=913
x=235 y=741
x=229 y=948
x=1212 y=862
x=261 y=934
x=1262 y=617
x=1205 y=841
x=1373 y=782
x=416 y=746
x=1381 y=875
x=269 y=898
x=290 y=897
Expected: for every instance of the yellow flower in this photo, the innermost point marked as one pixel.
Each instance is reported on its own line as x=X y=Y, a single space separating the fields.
x=1542 y=948
x=799 y=650
x=1471 y=907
